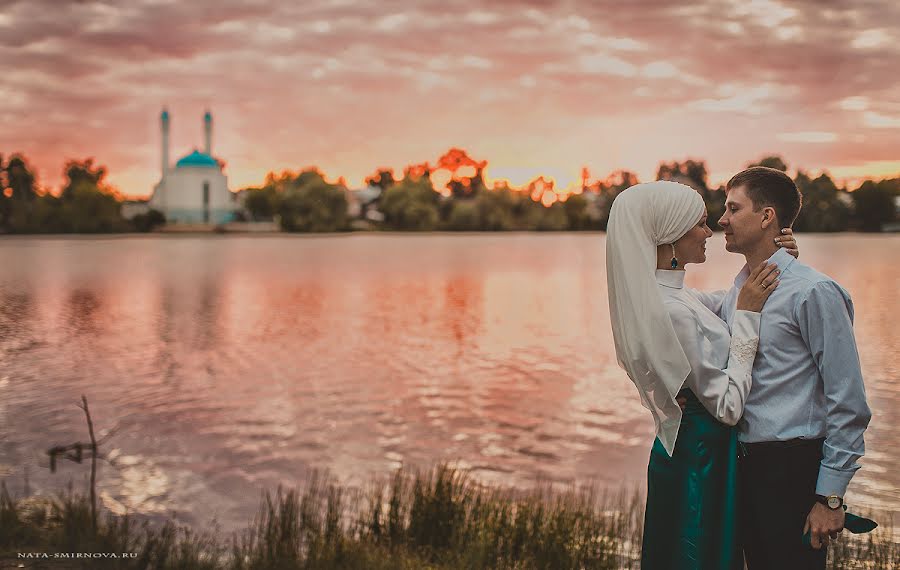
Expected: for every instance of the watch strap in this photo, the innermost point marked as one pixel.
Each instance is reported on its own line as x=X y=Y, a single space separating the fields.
x=829 y=499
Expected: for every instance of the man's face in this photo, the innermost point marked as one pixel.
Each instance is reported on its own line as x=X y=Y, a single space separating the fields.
x=742 y=225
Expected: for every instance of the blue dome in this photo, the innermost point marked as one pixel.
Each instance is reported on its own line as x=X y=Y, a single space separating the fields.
x=197 y=158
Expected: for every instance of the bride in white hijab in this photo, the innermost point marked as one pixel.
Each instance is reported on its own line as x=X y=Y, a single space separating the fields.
x=643 y=217
x=671 y=344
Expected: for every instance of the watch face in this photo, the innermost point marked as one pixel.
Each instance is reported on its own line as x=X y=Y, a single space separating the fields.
x=834 y=502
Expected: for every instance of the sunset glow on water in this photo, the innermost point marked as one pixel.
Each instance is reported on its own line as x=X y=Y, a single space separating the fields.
x=236 y=364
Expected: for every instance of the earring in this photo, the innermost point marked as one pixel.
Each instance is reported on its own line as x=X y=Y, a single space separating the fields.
x=674 y=259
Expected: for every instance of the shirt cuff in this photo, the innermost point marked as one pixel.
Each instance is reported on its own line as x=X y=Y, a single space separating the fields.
x=745 y=324
x=833 y=482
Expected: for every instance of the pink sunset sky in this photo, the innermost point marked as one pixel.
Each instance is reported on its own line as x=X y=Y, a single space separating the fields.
x=533 y=87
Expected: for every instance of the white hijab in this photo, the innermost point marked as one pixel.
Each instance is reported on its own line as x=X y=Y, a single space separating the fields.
x=643 y=217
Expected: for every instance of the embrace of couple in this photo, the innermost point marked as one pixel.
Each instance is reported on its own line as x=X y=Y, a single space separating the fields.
x=756 y=392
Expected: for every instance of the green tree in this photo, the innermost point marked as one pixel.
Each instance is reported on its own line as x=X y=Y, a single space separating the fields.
x=44 y=215
x=552 y=218
x=20 y=180
x=261 y=203
x=875 y=203
x=308 y=177
x=504 y=208
x=6 y=204
x=148 y=221
x=383 y=178
x=463 y=216
x=576 y=209
x=313 y=207
x=412 y=204
x=87 y=208
x=87 y=204
x=524 y=210
x=824 y=209
x=17 y=194
x=771 y=161
x=690 y=172
x=495 y=209
x=304 y=201
x=80 y=173
x=462 y=186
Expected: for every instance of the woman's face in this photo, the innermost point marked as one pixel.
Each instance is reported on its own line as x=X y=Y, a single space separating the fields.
x=691 y=247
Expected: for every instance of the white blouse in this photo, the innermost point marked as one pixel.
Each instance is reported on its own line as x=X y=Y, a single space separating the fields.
x=721 y=362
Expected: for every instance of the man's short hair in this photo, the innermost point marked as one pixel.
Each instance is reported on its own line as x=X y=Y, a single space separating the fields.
x=770 y=187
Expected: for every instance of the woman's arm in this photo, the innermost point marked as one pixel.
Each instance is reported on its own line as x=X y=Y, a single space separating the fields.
x=711 y=299
x=723 y=392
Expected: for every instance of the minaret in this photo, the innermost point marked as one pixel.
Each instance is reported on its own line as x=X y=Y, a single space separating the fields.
x=164 y=119
x=207 y=130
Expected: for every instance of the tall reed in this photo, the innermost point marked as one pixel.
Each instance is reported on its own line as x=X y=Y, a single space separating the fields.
x=439 y=519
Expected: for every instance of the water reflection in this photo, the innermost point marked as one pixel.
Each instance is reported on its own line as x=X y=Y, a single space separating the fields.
x=207 y=313
x=239 y=364
x=462 y=309
x=17 y=315
x=81 y=315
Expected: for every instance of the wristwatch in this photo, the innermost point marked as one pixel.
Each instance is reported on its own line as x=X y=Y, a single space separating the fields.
x=833 y=502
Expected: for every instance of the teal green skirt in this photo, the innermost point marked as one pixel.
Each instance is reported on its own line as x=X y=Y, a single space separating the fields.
x=691 y=516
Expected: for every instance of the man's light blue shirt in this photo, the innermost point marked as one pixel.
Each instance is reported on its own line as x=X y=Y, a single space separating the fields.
x=807 y=381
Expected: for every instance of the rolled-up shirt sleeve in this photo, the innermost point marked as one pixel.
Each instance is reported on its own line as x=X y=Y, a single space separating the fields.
x=722 y=392
x=825 y=317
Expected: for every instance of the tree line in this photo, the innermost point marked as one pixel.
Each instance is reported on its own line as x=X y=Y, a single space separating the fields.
x=305 y=201
x=85 y=204
x=450 y=195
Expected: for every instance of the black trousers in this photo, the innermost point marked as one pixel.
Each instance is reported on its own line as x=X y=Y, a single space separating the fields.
x=777 y=486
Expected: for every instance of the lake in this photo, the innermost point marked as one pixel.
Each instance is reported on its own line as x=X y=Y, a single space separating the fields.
x=233 y=364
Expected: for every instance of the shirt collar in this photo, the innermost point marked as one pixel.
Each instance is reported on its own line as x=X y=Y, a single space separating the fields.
x=781 y=258
x=669 y=278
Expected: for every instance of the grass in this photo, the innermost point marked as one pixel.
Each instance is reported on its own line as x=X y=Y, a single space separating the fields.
x=439 y=519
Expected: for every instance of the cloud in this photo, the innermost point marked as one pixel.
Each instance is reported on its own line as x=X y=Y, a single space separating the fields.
x=476 y=62
x=527 y=81
x=350 y=85
x=871 y=39
x=808 y=137
x=606 y=65
x=879 y=121
x=738 y=98
x=659 y=69
x=481 y=18
x=854 y=103
x=768 y=13
x=392 y=22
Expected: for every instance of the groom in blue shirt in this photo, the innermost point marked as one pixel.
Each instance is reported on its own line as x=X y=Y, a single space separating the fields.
x=802 y=430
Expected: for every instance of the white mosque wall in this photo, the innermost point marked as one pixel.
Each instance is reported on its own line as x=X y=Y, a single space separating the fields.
x=181 y=196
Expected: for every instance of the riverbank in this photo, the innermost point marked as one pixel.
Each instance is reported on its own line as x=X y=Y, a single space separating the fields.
x=440 y=520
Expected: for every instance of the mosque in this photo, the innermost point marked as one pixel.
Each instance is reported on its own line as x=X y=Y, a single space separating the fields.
x=195 y=191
